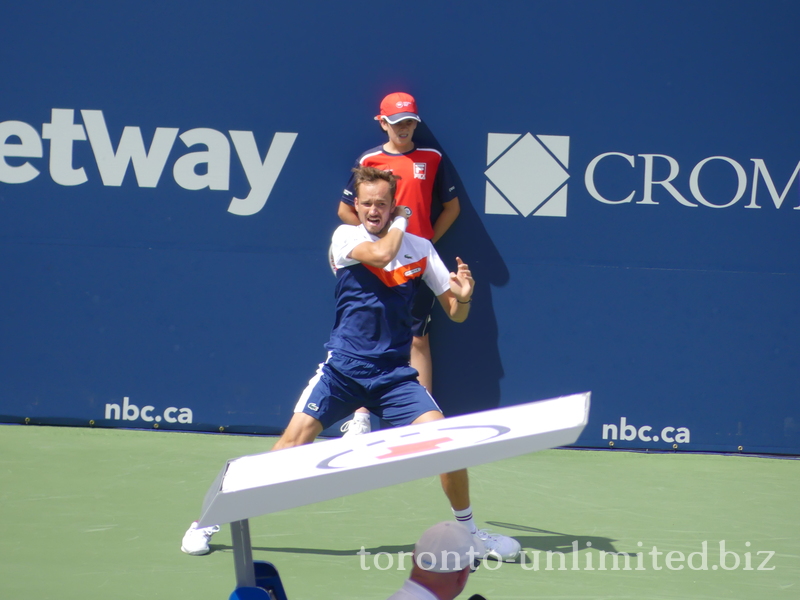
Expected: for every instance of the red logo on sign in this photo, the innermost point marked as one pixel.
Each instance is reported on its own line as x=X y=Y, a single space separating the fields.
x=414 y=448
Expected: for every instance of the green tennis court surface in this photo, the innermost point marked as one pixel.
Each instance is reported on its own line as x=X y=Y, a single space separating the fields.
x=100 y=514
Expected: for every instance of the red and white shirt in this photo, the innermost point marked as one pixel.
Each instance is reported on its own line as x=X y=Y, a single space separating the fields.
x=423 y=175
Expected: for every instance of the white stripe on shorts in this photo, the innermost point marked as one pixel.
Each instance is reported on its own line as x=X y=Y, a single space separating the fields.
x=301 y=402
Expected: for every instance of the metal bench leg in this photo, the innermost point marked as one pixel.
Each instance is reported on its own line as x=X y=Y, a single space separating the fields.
x=243 y=554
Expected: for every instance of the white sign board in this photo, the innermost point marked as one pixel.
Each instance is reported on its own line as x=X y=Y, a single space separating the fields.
x=264 y=483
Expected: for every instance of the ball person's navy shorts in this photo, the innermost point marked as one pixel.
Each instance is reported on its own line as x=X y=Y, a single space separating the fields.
x=421 y=311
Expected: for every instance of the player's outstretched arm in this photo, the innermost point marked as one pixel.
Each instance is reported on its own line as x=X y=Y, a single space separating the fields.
x=457 y=299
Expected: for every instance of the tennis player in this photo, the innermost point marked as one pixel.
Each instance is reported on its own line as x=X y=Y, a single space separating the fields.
x=379 y=268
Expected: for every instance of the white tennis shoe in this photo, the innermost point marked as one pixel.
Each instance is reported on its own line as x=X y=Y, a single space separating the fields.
x=499 y=547
x=195 y=540
x=355 y=427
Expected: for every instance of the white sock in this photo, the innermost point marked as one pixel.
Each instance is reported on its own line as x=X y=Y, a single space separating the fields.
x=359 y=416
x=465 y=518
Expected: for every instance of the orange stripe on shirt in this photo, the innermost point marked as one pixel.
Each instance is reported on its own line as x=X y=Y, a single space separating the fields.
x=400 y=275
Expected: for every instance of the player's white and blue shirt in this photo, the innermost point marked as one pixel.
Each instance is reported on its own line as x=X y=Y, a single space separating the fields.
x=373 y=306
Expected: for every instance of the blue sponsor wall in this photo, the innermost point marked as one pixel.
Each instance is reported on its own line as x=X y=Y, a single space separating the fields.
x=630 y=207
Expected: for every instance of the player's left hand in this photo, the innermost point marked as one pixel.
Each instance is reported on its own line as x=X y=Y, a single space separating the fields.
x=461 y=282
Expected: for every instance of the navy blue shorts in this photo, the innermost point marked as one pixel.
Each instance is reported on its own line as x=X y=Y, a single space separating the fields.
x=343 y=384
x=421 y=311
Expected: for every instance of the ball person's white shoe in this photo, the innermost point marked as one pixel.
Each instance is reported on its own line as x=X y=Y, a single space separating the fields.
x=499 y=547
x=355 y=427
x=195 y=540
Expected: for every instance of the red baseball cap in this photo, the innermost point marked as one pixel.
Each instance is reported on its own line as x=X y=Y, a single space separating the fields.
x=398 y=106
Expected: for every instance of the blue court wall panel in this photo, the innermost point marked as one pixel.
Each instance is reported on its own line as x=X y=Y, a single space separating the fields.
x=630 y=189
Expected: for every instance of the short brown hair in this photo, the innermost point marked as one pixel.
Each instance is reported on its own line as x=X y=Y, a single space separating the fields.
x=371 y=175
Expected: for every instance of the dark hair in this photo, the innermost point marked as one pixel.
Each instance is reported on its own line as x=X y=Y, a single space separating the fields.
x=371 y=175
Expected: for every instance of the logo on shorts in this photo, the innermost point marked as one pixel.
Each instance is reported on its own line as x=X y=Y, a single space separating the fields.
x=312 y=406
x=419 y=170
x=527 y=174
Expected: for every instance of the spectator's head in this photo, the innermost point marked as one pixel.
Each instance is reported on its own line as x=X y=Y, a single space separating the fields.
x=444 y=557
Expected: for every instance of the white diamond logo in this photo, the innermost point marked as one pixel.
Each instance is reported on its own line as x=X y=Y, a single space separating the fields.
x=527 y=174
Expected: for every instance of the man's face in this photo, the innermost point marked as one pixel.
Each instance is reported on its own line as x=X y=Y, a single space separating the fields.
x=401 y=133
x=374 y=206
